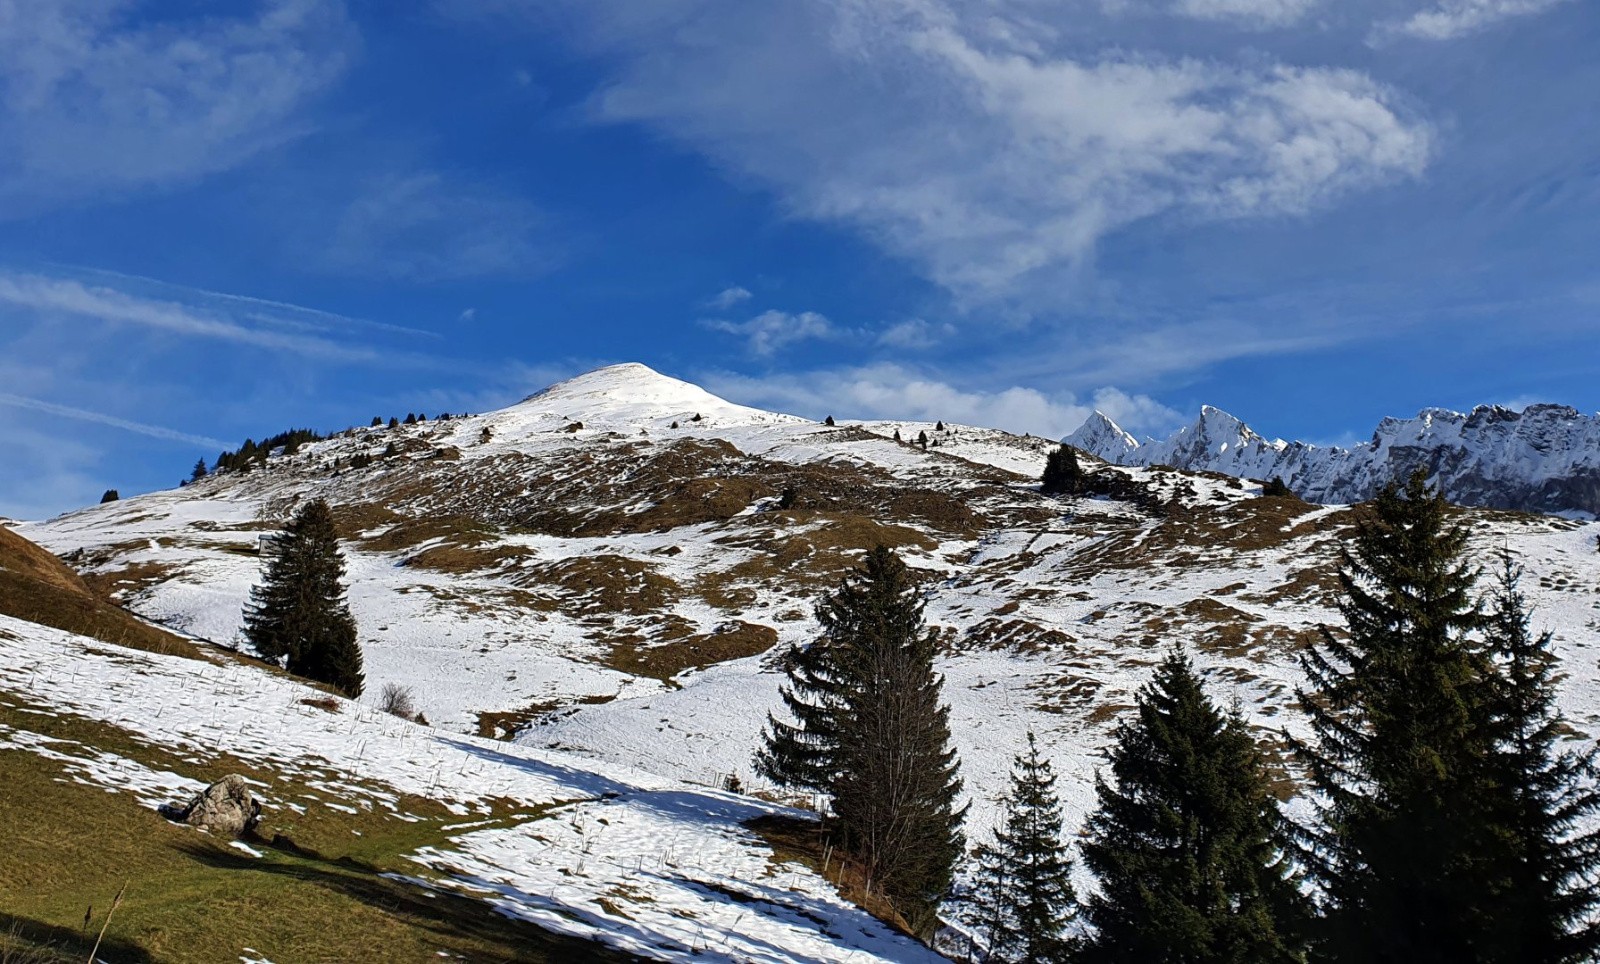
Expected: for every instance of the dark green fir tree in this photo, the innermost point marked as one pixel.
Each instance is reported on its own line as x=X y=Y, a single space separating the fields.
x=298 y=612
x=199 y=472
x=1062 y=474
x=1187 y=840
x=1404 y=848
x=870 y=728
x=1546 y=912
x=1024 y=898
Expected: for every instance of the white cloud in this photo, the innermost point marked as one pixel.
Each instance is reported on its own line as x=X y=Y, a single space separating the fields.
x=728 y=297
x=1449 y=19
x=49 y=296
x=1259 y=14
x=893 y=391
x=422 y=226
x=467 y=315
x=68 y=304
x=915 y=333
x=100 y=418
x=94 y=101
x=985 y=147
x=771 y=330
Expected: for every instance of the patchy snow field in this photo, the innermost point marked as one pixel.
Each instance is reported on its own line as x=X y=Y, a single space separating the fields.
x=649 y=865
x=1051 y=616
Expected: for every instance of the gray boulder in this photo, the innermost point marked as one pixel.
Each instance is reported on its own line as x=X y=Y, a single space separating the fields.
x=226 y=807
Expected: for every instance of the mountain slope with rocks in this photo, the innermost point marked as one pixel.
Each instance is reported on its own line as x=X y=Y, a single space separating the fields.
x=1545 y=458
x=611 y=570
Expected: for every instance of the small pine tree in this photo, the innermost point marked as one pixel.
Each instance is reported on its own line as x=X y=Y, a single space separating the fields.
x=897 y=435
x=1186 y=843
x=1403 y=846
x=199 y=472
x=1025 y=898
x=1545 y=914
x=870 y=727
x=922 y=440
x=394 y=422
x=110 y=495
x=411 y=418
x=298 y=613
x=938 y=426
x=1062 y=474
x=828 y=420
x=377 y=420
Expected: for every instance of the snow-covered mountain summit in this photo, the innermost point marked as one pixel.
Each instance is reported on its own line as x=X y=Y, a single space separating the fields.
x=636 y=395
x=1545 y=458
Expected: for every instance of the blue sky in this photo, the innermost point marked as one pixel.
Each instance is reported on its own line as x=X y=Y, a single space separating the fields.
x=221 y=221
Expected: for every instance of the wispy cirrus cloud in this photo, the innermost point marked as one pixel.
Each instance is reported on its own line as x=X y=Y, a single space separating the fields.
x=275 y=327
x=978 y=141
x=1449 y=19
x=56 y=296
x=94 y=100
x=113 y=421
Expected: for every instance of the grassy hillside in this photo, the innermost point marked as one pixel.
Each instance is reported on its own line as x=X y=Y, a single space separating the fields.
x=37 y=587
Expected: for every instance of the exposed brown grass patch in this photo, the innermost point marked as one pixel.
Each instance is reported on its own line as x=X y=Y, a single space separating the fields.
x=663 y=661
x=37 y=587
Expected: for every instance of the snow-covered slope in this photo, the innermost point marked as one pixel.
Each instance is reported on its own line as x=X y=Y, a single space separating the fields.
x=657 y=868
x=1545 y=458
x=624 y=587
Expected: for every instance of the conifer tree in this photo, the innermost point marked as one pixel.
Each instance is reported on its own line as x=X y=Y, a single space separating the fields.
x=1545 y=915
x=298 y=612
x=199 y=471
x=1186 y=843
x=1025 y=898
x=870 y=728
x=922 y=440
x=1062 y=474
x=1403 y=846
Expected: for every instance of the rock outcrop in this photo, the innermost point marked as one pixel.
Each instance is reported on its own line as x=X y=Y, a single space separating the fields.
x=227 y=807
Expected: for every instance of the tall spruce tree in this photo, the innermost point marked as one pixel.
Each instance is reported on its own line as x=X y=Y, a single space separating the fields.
x=1062 y=474
x=1187 y=842
x=870 y=728
x=298 y=611
x=1546 y=913
x=1403 y=846
x=1024 y=898
x=199 y=472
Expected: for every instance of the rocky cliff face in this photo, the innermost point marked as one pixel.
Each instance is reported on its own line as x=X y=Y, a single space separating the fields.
x=1545 y=458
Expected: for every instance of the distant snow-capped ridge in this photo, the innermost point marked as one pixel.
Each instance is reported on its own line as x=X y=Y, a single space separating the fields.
x=1545 y=458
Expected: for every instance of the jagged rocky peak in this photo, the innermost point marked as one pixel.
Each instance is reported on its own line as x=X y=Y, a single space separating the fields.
x=1100 y=436
x=1545 y=458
